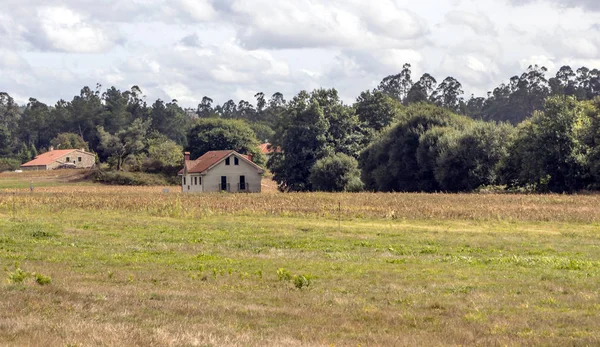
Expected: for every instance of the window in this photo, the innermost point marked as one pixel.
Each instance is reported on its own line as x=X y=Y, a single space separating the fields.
x=242 y=182
x=236 y=161
x=200 y=180
x=68 y=159
x=184 y=180
x=79 y=159
x=227 y=161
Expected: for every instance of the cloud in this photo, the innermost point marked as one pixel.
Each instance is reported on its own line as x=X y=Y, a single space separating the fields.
x=563 y=43
x=309 y=24
x=61 y=29
x=593 y=5
x=479 y=23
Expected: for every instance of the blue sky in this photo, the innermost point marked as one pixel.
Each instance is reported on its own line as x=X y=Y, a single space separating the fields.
x=186 y=49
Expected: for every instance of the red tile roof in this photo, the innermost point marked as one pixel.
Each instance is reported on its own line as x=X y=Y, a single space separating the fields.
x=49 y=157
x=267 y=149
x=209 y=159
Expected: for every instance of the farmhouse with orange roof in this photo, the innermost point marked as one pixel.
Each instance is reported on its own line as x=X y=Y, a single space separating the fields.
x=61 y=158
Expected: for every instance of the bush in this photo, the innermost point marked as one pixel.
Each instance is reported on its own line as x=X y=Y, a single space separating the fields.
x=121 y=178
x=9 y=164
x=336 y=173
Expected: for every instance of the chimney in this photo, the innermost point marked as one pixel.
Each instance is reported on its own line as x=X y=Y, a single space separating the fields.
x=51 y=148
x=250 y=157
x=83 y=150
x=186 y=155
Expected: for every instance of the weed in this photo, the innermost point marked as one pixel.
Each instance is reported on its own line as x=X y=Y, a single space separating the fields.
x=302 y=281
x=284 y=275
x=18 y=276
x=42 y=280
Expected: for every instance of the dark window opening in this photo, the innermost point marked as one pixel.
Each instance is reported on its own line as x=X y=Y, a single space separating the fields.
x=223 y=182
x=200 y=180
x=227 y=161
x=184 y=181
x=79 y=159
x=242 y=182
x=236 y=161
x=195 y=181
x=68 y=159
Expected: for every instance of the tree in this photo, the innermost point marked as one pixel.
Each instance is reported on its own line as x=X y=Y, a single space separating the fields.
x=164 y=155
x=390 y=163
x=85 y=114
x=116 y=115
x=448 y=94
x=170 y=120
x=336 y=173
x=215 y=134
x=34 y=124
x=303 y=142
x=545 y=153
x=376 y=110
x=205 y=109
x=397 y=86
x=263 y=131
x=422 y=90
x=470 y=157
x=68 y=141
x=127 y=142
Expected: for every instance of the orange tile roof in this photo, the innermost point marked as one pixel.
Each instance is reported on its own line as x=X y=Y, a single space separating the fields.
x=209 y=159
x=267 y=149
x=49 y=157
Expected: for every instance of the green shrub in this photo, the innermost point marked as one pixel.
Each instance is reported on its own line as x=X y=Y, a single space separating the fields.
x=284 y=275
x=302 y=281
x=121 y=178
x=42 y=280
x=9 y=164
x=336 y=173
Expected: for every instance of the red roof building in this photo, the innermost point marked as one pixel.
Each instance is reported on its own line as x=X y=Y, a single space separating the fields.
x=68 y=158
x=220 y=171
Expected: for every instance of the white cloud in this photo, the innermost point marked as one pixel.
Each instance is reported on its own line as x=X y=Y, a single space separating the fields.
x=233 y=48
x=65 y=30
x=479 y=23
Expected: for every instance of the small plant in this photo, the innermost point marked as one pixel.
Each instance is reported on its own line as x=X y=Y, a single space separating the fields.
x=42 y=280
x=302 y=281
x=284 y=275
x=17 y=276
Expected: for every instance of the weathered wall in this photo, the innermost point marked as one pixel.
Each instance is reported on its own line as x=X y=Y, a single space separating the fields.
x=87 y=160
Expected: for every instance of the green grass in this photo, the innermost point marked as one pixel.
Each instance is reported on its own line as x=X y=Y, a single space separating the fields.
x=130 y=278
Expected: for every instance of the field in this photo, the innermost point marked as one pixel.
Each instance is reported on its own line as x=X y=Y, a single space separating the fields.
x=90 y=265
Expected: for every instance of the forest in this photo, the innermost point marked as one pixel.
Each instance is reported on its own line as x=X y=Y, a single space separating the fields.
x=532 y=133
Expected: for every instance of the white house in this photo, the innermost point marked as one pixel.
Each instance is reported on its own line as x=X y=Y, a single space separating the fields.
x=217 y=171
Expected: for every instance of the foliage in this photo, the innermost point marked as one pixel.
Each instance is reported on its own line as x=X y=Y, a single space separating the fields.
x=377 y=110
x=9 y=164
x=130 y=178
x=126 y=142
x=390 y=163
x=164 y=154
x=470 y=157
x=214 y=134
x=68 y=141
x=315 y=125
x=336 y=173
x=546 y=152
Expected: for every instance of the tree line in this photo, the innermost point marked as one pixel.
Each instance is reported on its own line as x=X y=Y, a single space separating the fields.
x=534 y=133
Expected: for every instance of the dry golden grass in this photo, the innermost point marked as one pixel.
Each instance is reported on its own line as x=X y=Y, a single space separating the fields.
x=544 y=208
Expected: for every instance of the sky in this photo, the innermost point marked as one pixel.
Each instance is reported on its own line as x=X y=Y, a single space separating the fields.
x=232 y=49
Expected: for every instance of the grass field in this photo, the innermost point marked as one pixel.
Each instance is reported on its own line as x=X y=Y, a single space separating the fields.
x=88 y=265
